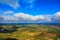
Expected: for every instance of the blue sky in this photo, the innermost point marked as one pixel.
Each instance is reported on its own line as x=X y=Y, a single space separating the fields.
x=36 y=10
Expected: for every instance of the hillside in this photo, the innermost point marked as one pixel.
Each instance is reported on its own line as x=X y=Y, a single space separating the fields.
x=29 y=32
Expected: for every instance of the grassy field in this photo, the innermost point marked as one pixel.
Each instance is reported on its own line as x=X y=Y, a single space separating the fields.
x=29 y=32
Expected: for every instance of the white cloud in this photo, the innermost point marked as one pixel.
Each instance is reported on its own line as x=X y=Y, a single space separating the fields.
x=12 y=3
x=43 y=18
x=56 y=17
x=8 y=12
x=10 y=18
x=22 y=17
x=57 y=14
x=15 y=6
x=25 y=17
x=28 y=17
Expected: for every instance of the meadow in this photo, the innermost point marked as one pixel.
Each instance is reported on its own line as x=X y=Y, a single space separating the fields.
x=29 y=32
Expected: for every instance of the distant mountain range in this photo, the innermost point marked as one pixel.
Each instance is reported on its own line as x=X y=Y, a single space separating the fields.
x=29 y=23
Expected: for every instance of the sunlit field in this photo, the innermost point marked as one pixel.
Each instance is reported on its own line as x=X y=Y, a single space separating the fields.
x=29 y=32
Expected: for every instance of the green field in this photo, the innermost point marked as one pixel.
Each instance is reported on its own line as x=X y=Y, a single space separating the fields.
x=29 y=32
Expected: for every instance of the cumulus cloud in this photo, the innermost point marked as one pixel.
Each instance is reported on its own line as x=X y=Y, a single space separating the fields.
x=31 y=18
x=12 y=3
x=8 y=12
x=22 y=17
x=1 y=18
x=18 y=3
x=42 y=18
x=56 y=17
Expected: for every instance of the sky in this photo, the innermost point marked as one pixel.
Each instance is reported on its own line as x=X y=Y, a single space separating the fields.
x=29 y=11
